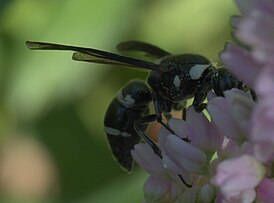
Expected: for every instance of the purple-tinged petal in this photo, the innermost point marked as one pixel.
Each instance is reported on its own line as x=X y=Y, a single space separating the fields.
x=193 y=118
x=156 y=189
x=189 y=195
x=247 y=6
x=262 y=128
x=175 y=192
x=161 y=190
x=162 y=135
x=247 y=148
x=242 y=105
x=148 y=160
x=264 y=152
x=235 y=92
x=185 y=155
x=179 y=127
x=241 y=63
x=232 y=114
x=238 y=177
x=265 y=191
x=170 y=165
x=219 y=198
x=247 y=196
x=229 y=149
x=256 y=30
x=221 y=116
x=264 y=54
x=173 y=170
x=235 y=21
x=202 y=133
x=265 y=82
x=232 y=149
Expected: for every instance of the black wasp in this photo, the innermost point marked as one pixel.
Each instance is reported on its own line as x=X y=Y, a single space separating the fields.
x=172 y=80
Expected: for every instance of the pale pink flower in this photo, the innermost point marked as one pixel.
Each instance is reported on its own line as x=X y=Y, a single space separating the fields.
x=238 y=177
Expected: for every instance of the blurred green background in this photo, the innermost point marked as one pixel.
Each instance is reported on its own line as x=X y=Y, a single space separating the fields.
x=52 y=146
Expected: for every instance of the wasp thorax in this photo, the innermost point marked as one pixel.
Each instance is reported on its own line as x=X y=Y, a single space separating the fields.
x=180 y=77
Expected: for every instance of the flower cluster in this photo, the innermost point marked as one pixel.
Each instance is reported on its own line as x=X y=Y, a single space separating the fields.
x=231 y=154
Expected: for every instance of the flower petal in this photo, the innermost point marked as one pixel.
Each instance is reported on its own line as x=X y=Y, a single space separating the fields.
x=262 y=122
x=239 y=175
x=241 y=63
x=205 y=136
x=265 y=191
x=221 y=116
x=179 y=127
x=156 y=189
x=265 y=82
x=264 y=152
x=185 y=155
x=242 y=105
x=147 y=159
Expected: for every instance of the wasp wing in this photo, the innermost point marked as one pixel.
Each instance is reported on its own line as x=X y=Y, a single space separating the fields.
x=95 y=55
x=146 y=48
x=78 y=56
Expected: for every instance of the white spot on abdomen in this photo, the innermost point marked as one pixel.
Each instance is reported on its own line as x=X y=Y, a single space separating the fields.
x=112 y=131
x=197 y=71
x=116 y=132
x=127 y=100
x=125 y=134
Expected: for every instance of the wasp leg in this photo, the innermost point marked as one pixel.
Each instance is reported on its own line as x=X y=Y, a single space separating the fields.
x=148 y=140
x=201 y=94
x=159 y=118
x=159 y=112
x=151 y=143
x=184 y=114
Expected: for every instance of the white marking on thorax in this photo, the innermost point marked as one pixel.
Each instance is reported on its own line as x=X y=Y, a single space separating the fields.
x=177 y=81
x=127 y=101
x=197 y=71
